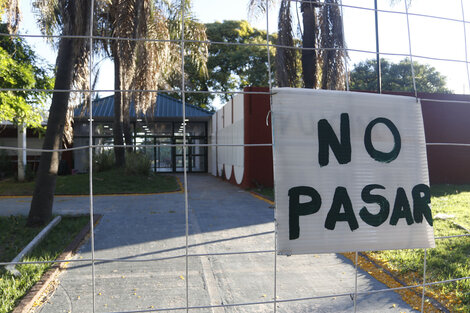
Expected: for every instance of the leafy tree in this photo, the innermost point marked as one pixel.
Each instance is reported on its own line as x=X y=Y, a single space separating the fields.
x=234 y=67
x=397 y=77
x=231 y=67
x=19 y=69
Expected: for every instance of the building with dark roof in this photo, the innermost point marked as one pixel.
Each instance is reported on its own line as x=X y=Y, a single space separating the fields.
x=162 y=126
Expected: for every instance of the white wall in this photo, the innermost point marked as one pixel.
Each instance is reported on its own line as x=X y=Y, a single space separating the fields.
x=211 y=151
x=31 y=143
x=229 y=130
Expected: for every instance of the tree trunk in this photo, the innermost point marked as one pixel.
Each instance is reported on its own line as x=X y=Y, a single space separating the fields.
x=43 y=197
x=126 y=121
x=309 y=56
x=286 y=70
x=118 y=116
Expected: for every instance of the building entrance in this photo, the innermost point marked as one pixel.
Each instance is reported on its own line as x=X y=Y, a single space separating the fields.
x=170 y=158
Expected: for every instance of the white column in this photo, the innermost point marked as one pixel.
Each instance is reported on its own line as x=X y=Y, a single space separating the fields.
x=22 y=152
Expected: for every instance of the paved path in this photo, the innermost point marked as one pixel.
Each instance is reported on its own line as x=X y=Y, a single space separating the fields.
x=223 y=219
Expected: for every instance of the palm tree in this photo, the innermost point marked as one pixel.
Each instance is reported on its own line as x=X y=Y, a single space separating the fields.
x=331 y=37
x=70 y=68
x=321 y=28
x=309 y=54
x=146 y=65
x=130 y=21
x=285 y=57
x=11 y=10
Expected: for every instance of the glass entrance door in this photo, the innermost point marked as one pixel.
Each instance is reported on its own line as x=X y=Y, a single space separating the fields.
x=178 y=157
x=198 y=156
x=195 y=156
x=163 y=143
x=162 y=160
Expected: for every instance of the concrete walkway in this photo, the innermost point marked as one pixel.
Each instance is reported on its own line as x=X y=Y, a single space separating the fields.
x=223 y=219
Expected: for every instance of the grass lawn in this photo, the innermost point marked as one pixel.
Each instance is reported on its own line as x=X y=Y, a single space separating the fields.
x=109 y=182
x=14 y=236
x=451 y=257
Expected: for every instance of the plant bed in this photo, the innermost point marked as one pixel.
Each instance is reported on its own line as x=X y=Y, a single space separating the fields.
x=114 y=181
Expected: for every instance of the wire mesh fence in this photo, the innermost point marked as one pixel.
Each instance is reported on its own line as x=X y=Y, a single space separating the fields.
x=192 y=247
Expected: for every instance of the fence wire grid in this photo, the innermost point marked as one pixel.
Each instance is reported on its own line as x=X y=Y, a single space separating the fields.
x=183 y=91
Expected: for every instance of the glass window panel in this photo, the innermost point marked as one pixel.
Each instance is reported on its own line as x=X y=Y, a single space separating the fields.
x=102 y=129
x=195 y=129
x=179 y=164
x=197 y=163
x=162 y=156
x=80 y=129
x=163 y=129
x=198 y=149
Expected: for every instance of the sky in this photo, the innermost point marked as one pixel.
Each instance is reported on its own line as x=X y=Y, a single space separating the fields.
x=430 y=38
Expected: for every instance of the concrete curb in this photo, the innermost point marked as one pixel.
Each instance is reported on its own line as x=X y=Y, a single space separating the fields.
x=36 y=240
x=35 y=293
x=261 y=197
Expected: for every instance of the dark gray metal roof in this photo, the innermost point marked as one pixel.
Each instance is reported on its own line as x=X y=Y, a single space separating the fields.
x=166 y=107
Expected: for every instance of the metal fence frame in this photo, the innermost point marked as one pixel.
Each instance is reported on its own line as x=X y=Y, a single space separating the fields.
x=185 y=147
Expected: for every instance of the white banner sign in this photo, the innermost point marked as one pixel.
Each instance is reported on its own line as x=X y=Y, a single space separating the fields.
x=350 y=172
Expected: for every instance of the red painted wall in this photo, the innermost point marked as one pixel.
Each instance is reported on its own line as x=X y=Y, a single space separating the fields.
x=258 y=160
x=445 y=121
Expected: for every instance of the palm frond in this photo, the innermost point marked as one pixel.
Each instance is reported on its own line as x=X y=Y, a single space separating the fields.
x=394 y=2
x=257 y=8
x=198 y=51
x=124 y=26
x=195 y=52
x=11 y=9
x=48 y=15
x=151 y=61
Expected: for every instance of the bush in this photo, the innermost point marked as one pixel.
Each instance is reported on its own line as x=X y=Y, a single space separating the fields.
x=29 y=174
x=138 y=163
x=5 y=164
x=103 y=161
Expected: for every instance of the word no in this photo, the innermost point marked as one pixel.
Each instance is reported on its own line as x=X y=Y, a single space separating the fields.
x=341 y=148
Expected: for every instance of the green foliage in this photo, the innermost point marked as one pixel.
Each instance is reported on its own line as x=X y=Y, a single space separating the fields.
x=5 y=164
x=103 y=161
x=115 y=181
x=138 y=163
x=19 y=69
x=265 y=191
x=397 y=77
x=231 y=67
x=29 y=173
